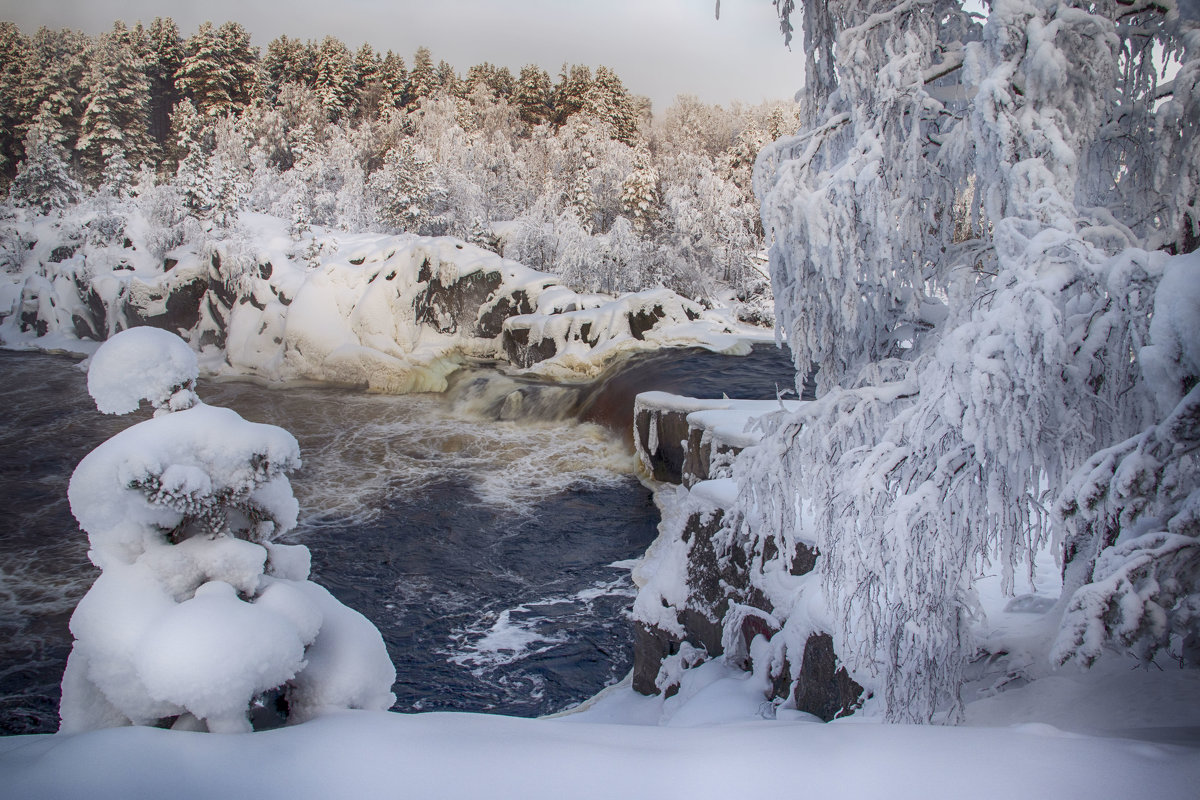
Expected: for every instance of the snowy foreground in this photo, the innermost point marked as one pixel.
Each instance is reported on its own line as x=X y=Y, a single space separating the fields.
x=711 y=743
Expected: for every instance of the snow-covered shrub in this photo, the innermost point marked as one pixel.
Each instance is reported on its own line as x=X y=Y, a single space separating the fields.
x=199 y=616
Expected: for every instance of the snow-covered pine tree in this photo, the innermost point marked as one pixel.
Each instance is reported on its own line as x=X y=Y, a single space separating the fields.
x=639 y=193
x=533 y=94
x=393 y=78
x=421 y=78
x=13 y=45
x=43 y=181
x=219 y=71
x=288 y=61
x=51 y=84
x=163 y=59
x=446 y=81
x=336 y=78
x=607 y=99
x=570 y=92
x=116 y=112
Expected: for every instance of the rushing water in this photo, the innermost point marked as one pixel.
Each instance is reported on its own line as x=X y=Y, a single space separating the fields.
x=487 y=532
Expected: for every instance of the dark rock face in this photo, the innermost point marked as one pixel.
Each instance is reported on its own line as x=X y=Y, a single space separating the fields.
x=719 y=563
x=643 y=321
x=650 y=646
x=667 y=460
x=182 y=307
x=519 y=351
x=491 y=320
x=823 y=688
x=449 y=308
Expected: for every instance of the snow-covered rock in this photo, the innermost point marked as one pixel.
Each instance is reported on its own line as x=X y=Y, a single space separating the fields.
x=387 y=313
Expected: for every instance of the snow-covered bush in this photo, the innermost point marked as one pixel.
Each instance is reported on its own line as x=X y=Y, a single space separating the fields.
x=199 y=618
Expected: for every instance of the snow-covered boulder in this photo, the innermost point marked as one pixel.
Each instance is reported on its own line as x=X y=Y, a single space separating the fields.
x=199 y=617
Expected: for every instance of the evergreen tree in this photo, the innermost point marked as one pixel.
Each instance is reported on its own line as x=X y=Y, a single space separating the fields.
x=533 y=95
x=446 y=80
x=402 y=189
x=421 y=79
x=163 y=59
x=43 y=181
x=393 y=81
x=605 y=99
x=639 y=194
x=219 y=71
x=571 y=91
x=50 y=85
x=289 y=61
x=335 y=77
x=13 y=47
x=116 y=112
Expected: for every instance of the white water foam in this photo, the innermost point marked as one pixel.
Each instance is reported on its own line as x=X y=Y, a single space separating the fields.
x=514 y=634
x=359 y=449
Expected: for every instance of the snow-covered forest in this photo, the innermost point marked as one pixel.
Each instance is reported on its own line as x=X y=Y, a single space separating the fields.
x=568 y=175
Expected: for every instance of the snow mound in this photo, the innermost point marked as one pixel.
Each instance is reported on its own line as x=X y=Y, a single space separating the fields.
x=143 y=364
x=198 y=619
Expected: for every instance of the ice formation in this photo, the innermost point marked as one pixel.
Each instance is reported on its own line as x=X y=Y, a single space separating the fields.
x=199 y=617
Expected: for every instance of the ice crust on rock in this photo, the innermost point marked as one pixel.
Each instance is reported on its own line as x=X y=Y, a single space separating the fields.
x=197 y=613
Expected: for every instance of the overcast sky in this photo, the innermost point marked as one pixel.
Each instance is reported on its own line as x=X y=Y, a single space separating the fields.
x=660 y=48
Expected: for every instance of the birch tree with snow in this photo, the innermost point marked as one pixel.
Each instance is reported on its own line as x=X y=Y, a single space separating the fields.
x=962 y=248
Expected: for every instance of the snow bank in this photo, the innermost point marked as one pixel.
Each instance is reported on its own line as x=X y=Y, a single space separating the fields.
x=362 y=754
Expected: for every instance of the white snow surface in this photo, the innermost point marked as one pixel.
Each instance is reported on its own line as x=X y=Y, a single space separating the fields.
x=715 y=745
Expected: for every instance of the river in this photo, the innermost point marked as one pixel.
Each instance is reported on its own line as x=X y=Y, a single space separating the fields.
x=488 y=532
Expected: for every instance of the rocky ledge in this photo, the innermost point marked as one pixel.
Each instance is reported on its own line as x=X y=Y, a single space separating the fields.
x=705 y=587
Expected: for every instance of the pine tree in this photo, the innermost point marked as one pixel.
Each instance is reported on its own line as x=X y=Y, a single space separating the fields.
x=50 y=85
x=421 y=79
x=393 y=80
x=335 y=77
x=639 y=194
x=606 y=99
x=533 y=95
x=219 y=71
x=116 y=112
x=13 y=47
x=571 y=91
x=446 y=80
x=163 y=59
x=43 y=180
x=402 y=189
x=289 y=61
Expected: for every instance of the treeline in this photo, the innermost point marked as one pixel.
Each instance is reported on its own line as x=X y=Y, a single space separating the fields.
x=123 y=85
x=569 y=175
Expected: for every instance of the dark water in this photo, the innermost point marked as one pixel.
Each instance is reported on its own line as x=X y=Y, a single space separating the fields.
x=491 y=549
